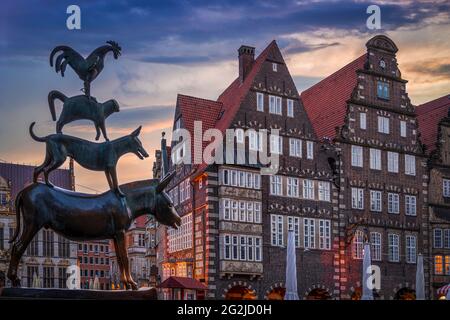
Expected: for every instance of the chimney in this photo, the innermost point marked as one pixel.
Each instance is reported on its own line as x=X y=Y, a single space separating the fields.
x=246 y=59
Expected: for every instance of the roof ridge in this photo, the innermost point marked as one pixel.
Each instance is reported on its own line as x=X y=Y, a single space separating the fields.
x=433 y=104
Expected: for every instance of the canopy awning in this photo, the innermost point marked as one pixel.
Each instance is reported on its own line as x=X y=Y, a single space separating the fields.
x=182 y=283
x=444 y=289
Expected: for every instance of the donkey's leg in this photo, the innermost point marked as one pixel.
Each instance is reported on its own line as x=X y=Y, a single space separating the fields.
x=117 y=244
x=126 y=266
x=17 y=251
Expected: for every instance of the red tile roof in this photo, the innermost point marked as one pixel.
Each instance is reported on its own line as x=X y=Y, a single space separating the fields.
x=232 y=97
x=219 y=114
x=20 y=175
x=326 y=102
x=197 y=109
x=428 y=115
x=182 y=283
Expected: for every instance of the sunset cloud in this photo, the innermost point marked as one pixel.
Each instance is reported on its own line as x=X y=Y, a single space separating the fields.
x=176 y=47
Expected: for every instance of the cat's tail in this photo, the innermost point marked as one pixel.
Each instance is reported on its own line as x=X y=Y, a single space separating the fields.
x=35 y=137
x=54 y=94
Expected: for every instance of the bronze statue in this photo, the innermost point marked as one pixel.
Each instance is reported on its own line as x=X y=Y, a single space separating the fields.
x=79 y=216
x=81 y=107
x=87 y=69
x=90 y=155
x=82 y=217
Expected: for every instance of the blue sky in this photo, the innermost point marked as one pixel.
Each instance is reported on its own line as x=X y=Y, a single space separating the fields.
x=189 y=47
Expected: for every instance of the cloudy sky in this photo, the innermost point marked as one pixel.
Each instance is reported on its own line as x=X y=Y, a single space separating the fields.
x=189 y=47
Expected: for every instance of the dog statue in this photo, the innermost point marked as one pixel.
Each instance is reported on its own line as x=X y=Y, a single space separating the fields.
x=81 y=107
x=90 y=155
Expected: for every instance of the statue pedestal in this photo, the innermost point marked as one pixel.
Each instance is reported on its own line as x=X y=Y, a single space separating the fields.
x=66 y=294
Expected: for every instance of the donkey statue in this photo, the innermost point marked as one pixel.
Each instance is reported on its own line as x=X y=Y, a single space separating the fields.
x=83 y=217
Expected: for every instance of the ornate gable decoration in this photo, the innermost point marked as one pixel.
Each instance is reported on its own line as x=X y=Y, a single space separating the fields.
x=382 y=42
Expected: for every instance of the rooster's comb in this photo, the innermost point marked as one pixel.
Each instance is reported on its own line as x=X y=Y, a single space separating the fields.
x=114 y=44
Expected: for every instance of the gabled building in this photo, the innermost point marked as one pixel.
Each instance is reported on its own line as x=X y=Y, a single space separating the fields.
x=363 y=109
x=434 y=125
x=234 y=219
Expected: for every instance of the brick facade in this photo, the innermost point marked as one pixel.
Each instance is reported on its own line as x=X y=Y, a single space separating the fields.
x=360 y=136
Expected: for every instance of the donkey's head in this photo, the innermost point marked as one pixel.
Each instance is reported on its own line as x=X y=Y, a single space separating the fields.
x=164 y=211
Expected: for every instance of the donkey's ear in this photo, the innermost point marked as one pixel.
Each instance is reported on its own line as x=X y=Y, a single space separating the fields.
x=164 y=182
x=137 y=131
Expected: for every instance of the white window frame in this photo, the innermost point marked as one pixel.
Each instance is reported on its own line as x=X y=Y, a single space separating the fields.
x=276 y=144
x=260 y=101
x=274 y=66
x=309 y=233
x=383 y=125
x=410 y=165
x=308 y=189
x=293 y=223
x=393 y=247
x=257 y=212
x=437 y=238
x=393 y=203
x=363 y=120
x=375 y=159
x=324 y=234
x=446 y=188
x=357 y=156
x=376 y=198
x=295 y=147
x=324 y=191
x=309 y=150
x=410 y=205
x=411 y=248
x=277 y=235
x=402 y=128
x=275 y=105
x=292 y=187
x=290 y=108
x=446 y=238
x=392 y=162
x=276 y=185
x=375 y=246
x=358 y=245
x=240 y=136
x=358 y=198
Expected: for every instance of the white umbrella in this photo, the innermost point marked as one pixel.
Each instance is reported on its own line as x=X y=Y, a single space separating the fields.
x=96 y=285
x=35 y=281
x=91 y=284
x=291 y=269
x=420 y=280
x=367 y=293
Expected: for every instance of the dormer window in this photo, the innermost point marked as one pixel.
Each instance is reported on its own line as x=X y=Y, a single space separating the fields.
x=382 y=64
x=383 y=90
x=274 y=67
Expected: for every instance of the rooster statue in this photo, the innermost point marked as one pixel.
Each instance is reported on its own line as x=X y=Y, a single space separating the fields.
x=87 y=69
